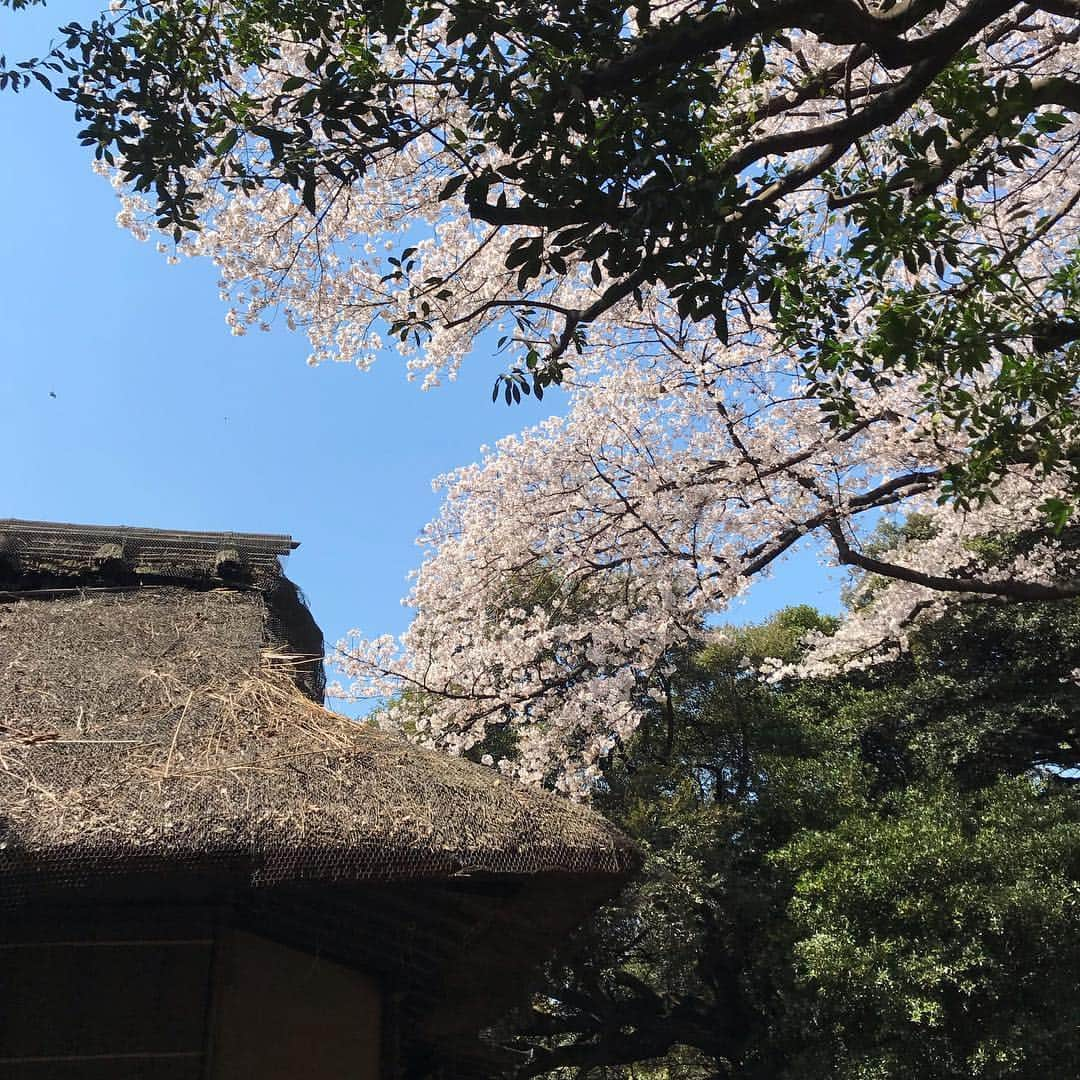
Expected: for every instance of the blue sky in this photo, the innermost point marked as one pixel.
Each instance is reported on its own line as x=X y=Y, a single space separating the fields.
x=162 y=418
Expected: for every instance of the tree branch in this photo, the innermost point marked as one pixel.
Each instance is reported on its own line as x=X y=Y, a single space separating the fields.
x=838 y=22
x=1013 y=590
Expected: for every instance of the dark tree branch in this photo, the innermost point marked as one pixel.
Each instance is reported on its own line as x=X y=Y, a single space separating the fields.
x=1067 y=9
x=1013 y=590
x=839 y=22
x=1051 y=91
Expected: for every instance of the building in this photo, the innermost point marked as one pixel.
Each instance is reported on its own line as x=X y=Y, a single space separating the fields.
x=206 y=874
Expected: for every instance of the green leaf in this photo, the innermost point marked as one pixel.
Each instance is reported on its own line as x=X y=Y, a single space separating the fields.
x=757 y=64
x=393 y=14
x=227 y=143
x=308 y=193
x=452 y=186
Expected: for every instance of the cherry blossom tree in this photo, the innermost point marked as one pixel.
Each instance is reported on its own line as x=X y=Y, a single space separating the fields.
x=796 y=265
x=569 y=562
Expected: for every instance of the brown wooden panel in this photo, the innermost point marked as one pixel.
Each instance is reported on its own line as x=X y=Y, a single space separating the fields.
x=67 y=996
x=281 y=1014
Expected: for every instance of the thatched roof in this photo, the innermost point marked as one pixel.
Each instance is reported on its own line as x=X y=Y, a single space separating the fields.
x=156 y=742
x=160 y=724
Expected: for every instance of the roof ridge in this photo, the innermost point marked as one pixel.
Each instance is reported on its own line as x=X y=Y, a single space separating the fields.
x=279 y=543
x=29 y=548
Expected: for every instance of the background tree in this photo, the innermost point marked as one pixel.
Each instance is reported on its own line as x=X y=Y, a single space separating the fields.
x=845 y=876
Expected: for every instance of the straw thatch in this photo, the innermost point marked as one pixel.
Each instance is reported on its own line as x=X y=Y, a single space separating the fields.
x=160 y=724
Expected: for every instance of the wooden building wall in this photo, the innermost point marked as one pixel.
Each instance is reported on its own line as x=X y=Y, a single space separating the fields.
x=135 y=993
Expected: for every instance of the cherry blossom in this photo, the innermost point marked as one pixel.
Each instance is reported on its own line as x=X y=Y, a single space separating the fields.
x=568 y=563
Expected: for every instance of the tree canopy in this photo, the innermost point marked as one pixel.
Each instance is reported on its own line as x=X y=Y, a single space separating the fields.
x=899 y=169
x=794 y=265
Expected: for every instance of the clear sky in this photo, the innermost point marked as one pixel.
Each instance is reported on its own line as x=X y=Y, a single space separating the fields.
x=162 y=418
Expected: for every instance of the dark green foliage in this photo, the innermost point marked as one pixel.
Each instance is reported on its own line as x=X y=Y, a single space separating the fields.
x=985 y=692
x=638 y=159
x=875 y=877
x=938 y=934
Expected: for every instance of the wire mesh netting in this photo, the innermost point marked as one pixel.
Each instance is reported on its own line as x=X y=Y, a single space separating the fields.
x=164 y=721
